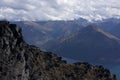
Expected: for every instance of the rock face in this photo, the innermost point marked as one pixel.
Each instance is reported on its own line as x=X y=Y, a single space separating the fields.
x=20 y=61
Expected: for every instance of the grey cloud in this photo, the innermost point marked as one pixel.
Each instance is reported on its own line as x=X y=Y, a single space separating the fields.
x=58 y=9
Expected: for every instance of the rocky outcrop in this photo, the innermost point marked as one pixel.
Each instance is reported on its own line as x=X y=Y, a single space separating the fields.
x=20 y=61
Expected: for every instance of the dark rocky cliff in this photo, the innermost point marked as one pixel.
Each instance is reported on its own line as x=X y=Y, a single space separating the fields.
x=20 y=61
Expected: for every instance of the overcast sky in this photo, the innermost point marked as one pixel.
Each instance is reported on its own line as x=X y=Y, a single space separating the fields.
x=58 y=9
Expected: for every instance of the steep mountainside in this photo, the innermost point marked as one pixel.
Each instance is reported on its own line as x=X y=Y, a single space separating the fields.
x=111 y=25
x=90 y=43
x=20 y=61
x=116 y=30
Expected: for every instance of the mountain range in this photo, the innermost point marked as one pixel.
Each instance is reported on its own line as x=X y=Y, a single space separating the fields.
x=90 y=43
x=40 y=32
x=45 y=34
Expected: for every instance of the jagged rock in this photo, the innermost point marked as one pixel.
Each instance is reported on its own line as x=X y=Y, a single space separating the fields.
x=20 y=61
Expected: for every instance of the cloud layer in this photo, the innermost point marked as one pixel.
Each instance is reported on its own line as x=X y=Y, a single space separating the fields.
x=58 y=9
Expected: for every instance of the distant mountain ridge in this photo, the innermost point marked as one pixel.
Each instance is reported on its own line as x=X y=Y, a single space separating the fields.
x=90 y=43
x=41 y=33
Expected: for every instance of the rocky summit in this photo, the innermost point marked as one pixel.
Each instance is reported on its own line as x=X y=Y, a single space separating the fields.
x=21 y=61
